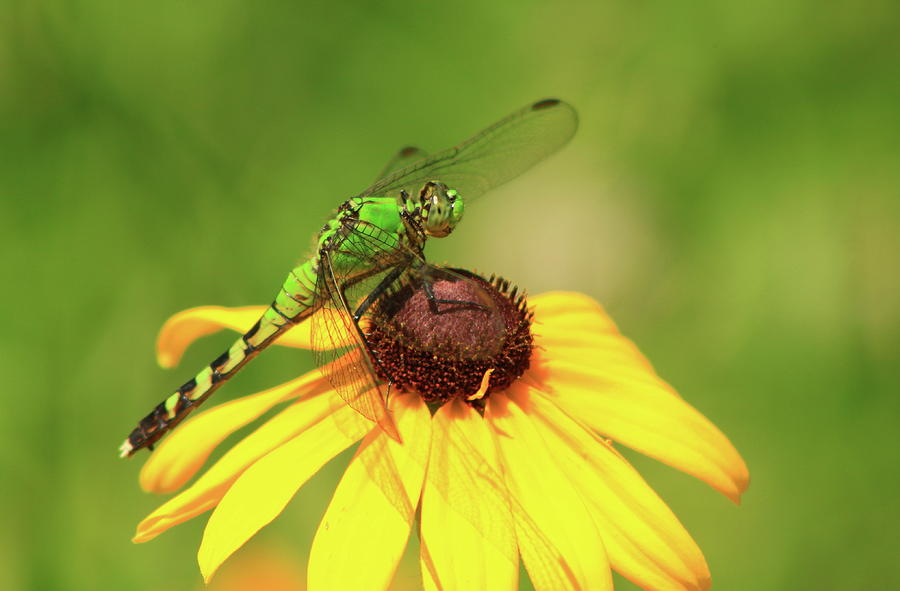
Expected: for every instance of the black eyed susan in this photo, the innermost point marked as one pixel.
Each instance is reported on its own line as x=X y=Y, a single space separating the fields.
x=506 y=414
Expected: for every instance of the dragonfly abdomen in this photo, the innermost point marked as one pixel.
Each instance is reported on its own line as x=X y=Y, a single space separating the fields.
x=295 y=302
x=297 y=295
x=191 y=394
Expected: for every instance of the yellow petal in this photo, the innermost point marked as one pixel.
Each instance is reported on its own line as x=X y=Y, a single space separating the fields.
x=185 y=327
x=185 y=450
x=206 y=492
x=263 y=490
x=645 y=541
x=591 y=347
x=593 y=369
x=546 y=495
x=547 y=567
x=576 y=325
x=570 y=310
x=364 y=531
x=467 y=531
x=643 y=412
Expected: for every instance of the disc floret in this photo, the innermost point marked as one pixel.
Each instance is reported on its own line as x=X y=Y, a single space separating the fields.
x=460 y=336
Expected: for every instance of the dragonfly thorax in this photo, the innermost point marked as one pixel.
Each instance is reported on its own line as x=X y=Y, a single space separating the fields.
x=440 y=209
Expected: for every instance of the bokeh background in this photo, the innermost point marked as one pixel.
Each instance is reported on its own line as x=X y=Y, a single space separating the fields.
x=731 y=197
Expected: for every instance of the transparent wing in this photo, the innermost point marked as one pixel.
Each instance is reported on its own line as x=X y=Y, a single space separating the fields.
x=363 y=258
x=403 y=157
x=492 y=157
x=463 y=459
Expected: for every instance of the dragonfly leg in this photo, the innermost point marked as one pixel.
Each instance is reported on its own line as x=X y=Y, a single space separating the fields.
x=370 y=299
x=378 y=291
x=433 y=301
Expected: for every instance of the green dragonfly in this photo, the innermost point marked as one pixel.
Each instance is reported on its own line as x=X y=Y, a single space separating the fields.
x=372 y=245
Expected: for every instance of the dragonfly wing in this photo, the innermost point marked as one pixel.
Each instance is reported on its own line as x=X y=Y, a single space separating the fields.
x=350 y=369
x=364 y=280
x=403 y=157
x=492 y=157
x=363 y=260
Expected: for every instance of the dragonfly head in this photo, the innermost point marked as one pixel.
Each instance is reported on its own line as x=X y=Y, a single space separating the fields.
x=441 y=209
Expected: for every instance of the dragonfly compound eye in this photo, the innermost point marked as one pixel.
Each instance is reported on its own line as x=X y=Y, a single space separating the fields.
x=456 y=207
x=442 y=211
x=453 y=335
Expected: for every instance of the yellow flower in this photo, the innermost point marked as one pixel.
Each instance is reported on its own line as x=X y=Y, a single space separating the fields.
x=528 y=470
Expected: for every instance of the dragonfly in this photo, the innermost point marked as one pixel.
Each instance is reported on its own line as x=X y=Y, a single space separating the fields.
x=373 y=245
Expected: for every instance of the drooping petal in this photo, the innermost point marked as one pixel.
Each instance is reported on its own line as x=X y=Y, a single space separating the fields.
x=261 y=492
x=643 y=412
x=212 y=485
x=602 y=377
x=364 y=531
x=645 y=541
x=185 y=327
x=546 y=495
x=185 y=450
x=467 y=530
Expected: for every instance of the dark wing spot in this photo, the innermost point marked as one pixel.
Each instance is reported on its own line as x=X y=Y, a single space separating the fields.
x=408 y=151
x=544 y=104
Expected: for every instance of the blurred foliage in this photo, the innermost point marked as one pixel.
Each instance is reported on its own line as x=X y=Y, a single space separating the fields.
x=731 y=197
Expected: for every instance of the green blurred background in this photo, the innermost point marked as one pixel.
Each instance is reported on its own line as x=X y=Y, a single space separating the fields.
x=731 y=197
